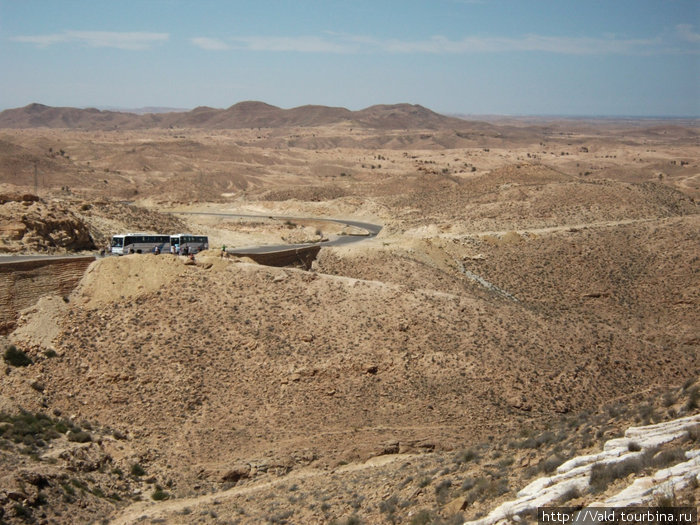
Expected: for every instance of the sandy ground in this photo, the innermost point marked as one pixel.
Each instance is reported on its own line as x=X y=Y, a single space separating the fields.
x=524 y=284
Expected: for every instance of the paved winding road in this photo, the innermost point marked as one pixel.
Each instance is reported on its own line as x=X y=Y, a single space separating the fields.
x=372 y=231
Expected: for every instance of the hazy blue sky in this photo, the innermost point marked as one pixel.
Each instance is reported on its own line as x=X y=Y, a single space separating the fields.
x=571 y=57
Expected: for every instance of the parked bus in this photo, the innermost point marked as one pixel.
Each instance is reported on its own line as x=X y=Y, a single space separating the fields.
x=186 y=243
x=139 y=243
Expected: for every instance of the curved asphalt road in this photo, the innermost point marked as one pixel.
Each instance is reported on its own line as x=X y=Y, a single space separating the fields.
x=372 y=229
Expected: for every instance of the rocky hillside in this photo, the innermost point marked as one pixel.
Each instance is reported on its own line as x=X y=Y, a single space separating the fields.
x=28 y=223
x=523 y=304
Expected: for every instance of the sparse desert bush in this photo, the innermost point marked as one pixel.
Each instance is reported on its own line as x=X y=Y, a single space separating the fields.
x=442 y=490
x=137 y=470
x=422 y=517
x=646 y=413
x=570 y=494
x=79 y=437
x=468 y=483
x=537 y=441
x=465 y=456
x=615 y=410
x=665 y=499
x=159 y=494
x=693 y=401
x=505 y=462
x=604 y=474
x=694 y=433
x=15 y=357
x=388 y=506
x=550 y=464
x=34 y=430
x=22 y=512
x=484 y=489
x=668 y=399
x=633 y=446
x=669 y=456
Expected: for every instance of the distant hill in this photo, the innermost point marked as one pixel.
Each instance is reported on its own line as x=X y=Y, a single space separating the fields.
x=249 y=114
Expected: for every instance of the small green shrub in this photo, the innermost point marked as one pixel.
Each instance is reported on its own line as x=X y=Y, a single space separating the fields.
x=505 y=462
x=694 y=433
x=550 y=464
x=668 y=399
x=465 y=456
x=388 y=506
x=422 y=517
x=646 y=414
x=442 y=491
x=669 y=456
x=693 y=398
x=79 y=484
x=33 y=430
x=468 y=484
x=22 y=512
x=485 y=489
x=15 y=357
x=570 y=494
x=137 y=470
x=159 y=494
x=604 y=474
x=79 y=437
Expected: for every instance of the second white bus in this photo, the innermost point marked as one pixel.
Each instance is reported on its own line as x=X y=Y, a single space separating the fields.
x=139 y=243
x=186 y=243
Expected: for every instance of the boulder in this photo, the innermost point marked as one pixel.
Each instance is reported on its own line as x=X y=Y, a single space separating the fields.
x=236 y=473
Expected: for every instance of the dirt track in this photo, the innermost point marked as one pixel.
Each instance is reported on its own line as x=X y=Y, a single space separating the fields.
x=150 y=510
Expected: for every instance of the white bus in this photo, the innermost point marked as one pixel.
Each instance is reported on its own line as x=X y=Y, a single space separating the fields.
x=186 y=243
x=139 y=243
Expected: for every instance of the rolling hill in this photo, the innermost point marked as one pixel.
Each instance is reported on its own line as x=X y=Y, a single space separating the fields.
x=249 y=114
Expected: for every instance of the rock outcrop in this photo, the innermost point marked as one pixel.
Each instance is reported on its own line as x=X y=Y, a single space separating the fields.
x=23 y=283
x=30 y=224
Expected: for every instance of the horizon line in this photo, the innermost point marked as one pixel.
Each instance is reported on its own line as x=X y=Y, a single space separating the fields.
x=456 y=114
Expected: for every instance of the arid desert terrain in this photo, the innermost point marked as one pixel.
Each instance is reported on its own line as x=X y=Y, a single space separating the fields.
x=533 y=292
